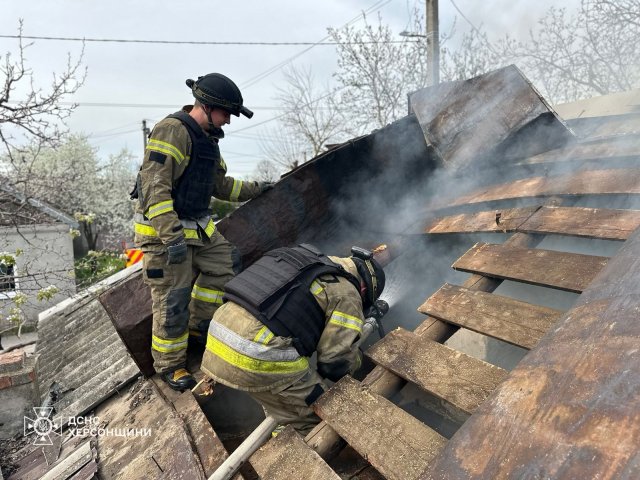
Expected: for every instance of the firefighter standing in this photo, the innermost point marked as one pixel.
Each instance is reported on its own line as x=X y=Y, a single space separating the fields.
x=181 y=171
x=306 y=303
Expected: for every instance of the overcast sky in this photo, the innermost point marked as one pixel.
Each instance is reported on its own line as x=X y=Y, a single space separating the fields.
x=128 y=82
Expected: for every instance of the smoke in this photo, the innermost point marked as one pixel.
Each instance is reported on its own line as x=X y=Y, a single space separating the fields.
x=408 y=186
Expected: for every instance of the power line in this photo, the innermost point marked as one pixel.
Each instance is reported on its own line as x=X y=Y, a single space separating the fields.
x=181 y=42
x=143 y=105
x=378 y=4
x=308 y=104
x=275 y=68
x=473 y=26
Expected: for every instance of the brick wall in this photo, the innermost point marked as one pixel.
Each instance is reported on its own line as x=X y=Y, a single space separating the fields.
x=18 y=391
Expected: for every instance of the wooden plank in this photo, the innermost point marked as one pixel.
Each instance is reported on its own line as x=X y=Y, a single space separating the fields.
x=66 y=467
x=571 y=408
x=287 y=457
x=463 y=381
x=324 y=440
x=602 y=223
x=514 y=119
x=508 y=220
x=513 y=321
x=395 y=443
x=596 y=150
x=572 y=272
x=128 y=306
x=207 y=445
x=167 y=452
x=621 y=181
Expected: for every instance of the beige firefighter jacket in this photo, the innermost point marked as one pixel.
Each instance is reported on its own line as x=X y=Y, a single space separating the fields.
x=242 y=353
x=155 y=220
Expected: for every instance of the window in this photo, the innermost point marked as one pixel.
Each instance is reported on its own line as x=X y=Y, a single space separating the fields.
x=7 y=278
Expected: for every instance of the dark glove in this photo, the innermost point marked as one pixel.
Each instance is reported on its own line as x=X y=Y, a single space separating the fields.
x=177 y=252
x=264 y=186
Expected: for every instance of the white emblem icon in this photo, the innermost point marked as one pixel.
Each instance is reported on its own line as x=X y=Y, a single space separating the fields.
x=42 y=426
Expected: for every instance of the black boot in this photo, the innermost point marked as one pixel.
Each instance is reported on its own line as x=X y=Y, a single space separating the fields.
x=179 y=379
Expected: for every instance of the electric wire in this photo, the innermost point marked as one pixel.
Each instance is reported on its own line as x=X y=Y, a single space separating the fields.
x=183 y=42
x=472 y=26
x=252 y=81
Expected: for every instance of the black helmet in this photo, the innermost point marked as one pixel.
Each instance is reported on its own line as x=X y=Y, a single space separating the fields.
x=371 y=273
x=216 y=90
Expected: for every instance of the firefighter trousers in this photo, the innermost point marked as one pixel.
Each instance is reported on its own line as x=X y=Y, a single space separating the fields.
x=291 y=404
x=181 y=305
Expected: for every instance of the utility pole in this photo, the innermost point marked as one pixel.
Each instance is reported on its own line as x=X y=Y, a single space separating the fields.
x=433 y=42
x=145 y=133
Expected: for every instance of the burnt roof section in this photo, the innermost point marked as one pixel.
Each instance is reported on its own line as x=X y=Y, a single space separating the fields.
x=380 y=187
x=496 y=115
x=539 y=202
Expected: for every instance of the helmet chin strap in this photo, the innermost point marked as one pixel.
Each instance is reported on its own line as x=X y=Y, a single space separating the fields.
x=208 y=110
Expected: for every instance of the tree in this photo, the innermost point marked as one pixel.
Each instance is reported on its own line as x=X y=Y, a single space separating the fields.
x=474 y=56
x=310 y=119
x=266 y=171
x=38 y=115
x=285 y=148
x=593 y=52
x=73 y=179
x=32 y=119
x=375 y=72
x=310 y=111
x=568 y=57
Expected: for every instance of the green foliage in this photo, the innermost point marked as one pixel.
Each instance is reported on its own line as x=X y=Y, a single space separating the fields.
x=222 y=208
x=96 y=266
x=47 y=293
x=7 y=259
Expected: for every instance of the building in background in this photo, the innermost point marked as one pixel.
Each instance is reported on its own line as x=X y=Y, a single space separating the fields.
x=37 y=256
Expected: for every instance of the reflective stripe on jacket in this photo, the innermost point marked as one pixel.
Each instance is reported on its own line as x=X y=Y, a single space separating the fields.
x=244 y=354
x=143 y=228
x=167 y=156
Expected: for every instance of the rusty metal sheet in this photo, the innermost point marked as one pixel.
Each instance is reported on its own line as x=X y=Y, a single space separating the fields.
x=498 y=114
x=571 y=408
x=572 y=272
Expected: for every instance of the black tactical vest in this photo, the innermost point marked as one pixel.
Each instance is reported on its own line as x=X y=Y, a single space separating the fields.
x=193 y=191
x=276 y=290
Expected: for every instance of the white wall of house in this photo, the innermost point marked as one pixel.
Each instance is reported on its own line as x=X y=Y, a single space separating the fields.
x=46 y=259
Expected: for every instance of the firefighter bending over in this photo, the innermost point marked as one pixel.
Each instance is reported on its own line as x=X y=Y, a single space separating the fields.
x=182 y=169
x=291 y=303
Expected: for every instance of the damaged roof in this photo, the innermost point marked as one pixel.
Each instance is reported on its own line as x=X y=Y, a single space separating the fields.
x=537 y=213
x=496 y=161
x=17 y=210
